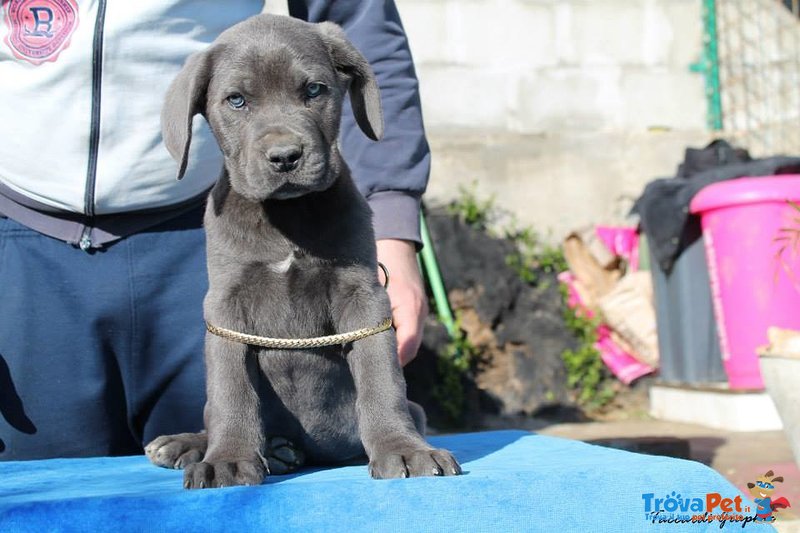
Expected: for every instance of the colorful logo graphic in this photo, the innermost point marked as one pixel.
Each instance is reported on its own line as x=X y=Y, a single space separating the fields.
x=714 y=507
x=761 y=491
x=39 y=30
x=711 y=507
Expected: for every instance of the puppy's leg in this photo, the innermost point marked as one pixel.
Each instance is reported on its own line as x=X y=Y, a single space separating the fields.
x=418 y=415
x=235 y=454
x=393 y=444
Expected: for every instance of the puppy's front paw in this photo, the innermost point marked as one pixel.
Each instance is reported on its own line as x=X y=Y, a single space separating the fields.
x=177 y=451
x=414 y=463
x=205 y=475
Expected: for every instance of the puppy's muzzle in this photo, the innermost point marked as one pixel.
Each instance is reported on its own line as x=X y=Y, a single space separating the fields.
x=284 y=152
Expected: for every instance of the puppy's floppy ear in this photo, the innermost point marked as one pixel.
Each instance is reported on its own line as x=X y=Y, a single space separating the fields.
x=185 y=98
x=364 y=93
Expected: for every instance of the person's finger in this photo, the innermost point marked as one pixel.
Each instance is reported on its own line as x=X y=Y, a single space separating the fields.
x=409 y=319
x=407 y=341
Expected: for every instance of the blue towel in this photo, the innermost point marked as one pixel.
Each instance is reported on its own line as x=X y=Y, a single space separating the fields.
x=513 y=481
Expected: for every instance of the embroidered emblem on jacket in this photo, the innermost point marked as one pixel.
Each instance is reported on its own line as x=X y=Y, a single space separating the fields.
x=39 y=30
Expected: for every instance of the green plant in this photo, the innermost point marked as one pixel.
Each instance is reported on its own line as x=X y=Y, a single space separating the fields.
x=586 y=373
x=472 y=211
x=533 y=256
x=453 y=365
x=522 y=266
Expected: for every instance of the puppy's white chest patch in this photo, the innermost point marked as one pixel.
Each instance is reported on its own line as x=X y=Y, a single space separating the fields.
x=282 y=267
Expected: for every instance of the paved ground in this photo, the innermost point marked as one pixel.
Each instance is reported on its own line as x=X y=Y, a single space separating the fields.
x=740 y=457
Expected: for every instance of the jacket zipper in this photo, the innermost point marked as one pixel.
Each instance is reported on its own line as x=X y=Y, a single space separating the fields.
x=94 y=135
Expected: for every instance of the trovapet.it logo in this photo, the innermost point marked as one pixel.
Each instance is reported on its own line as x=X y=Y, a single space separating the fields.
x=711 y=507
x=715 y=507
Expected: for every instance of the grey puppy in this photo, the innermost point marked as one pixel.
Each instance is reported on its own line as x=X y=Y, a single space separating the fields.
x=291 y=253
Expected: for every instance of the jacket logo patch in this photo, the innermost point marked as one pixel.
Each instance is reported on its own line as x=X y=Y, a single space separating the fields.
x=39 y=30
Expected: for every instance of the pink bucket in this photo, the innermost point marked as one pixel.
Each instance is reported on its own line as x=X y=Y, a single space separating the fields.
x=754 y=283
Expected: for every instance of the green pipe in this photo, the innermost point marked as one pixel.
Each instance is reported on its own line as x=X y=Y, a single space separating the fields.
x=434 y=276
x=709 y=65
x=713 y=72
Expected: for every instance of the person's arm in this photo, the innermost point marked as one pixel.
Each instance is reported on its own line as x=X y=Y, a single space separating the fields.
x=392 y=174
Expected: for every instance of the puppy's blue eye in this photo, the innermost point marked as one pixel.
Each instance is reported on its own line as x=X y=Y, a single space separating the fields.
x=236 y=101
x=314 y=89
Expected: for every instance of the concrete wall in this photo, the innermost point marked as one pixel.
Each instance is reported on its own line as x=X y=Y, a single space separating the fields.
x=562 y=109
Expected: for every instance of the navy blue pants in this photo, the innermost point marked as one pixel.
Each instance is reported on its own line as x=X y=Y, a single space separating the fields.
x=100 y=352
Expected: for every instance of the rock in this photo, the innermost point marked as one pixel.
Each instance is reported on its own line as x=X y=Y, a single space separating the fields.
x=518 y=329
x=471 y=259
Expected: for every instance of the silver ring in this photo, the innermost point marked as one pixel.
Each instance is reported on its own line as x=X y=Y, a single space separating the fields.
x=385 y=274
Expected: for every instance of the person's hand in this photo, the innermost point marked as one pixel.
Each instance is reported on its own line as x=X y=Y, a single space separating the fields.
x=406 y=293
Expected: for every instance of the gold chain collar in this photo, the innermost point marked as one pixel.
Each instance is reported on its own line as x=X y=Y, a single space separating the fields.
x=312 y=342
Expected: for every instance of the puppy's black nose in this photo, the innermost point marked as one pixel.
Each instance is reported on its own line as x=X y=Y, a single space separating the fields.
x=285 y=156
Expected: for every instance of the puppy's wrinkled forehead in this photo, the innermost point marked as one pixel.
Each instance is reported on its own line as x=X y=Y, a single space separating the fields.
x=268 y=55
